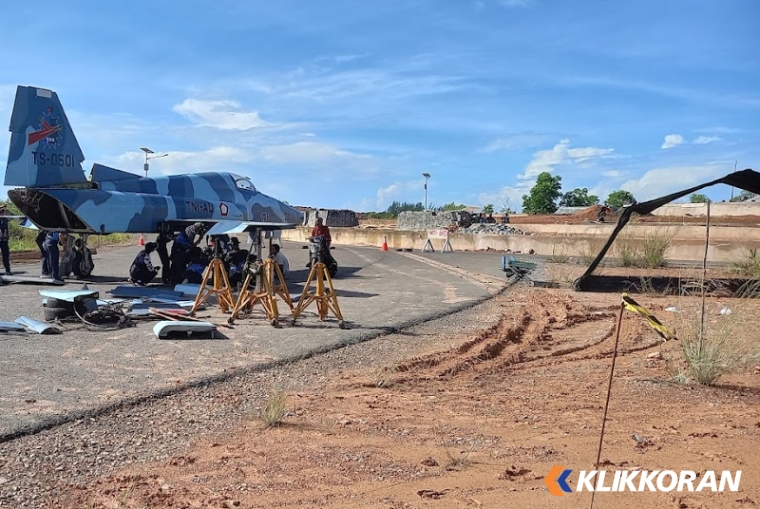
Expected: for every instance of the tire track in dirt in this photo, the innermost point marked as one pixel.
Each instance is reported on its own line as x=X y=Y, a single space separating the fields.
x=550 y=329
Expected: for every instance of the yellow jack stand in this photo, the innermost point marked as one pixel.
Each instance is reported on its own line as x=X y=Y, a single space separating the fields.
x=267 y=296
x=221 y=287
x=325 y=298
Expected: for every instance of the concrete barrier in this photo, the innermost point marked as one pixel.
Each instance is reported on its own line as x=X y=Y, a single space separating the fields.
x=686 y=242
x=720 y=209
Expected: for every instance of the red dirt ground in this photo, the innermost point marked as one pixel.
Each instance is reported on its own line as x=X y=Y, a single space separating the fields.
x=480 y=421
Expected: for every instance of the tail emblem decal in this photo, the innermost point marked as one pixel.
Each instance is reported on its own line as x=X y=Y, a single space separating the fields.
x=49 y=132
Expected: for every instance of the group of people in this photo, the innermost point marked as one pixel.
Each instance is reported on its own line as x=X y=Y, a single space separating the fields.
x=47 y=242
x=188 y=261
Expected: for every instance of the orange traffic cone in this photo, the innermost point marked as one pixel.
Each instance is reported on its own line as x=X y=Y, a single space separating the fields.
x=142 y=240
x=385 y=243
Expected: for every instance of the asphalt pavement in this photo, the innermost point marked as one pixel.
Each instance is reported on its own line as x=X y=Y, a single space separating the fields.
x=45 y=379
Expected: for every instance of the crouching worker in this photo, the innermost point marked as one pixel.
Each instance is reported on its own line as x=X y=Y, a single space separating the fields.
x=280 y=260
x=193 y=274
x=236 y=262
x=142 y=271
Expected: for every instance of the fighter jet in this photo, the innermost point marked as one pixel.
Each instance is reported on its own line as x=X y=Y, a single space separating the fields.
x=46 y=160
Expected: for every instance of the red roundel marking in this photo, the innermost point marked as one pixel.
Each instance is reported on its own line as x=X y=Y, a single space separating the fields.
x=223 y=209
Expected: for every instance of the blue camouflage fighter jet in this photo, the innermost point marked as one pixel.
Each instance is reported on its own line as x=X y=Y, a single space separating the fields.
x=46 y=161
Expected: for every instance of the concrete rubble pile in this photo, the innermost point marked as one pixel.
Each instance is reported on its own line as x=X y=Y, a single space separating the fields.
x=492 y=229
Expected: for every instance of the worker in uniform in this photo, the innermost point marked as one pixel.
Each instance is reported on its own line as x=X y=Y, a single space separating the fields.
x=235 y=260
x=163 y=254
x=4 y=239
x=181 y=249
x=40 y=241
x=142 y=272
x=53 y=254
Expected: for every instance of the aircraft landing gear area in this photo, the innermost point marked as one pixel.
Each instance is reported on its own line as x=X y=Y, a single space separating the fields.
x=264 y=284
x=267 y=294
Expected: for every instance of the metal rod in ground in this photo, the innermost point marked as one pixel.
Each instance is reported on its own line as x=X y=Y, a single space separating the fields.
x=607 y=401
x=704 y=277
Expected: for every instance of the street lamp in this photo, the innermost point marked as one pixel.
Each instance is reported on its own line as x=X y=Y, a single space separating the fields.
x=427 y=176
x=148 y=156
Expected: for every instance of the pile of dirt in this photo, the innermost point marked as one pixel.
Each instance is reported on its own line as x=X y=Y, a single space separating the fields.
x=591 y=213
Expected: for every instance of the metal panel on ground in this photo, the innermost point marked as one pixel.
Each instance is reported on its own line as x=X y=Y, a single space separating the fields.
x=38 y=327
x=164 y=329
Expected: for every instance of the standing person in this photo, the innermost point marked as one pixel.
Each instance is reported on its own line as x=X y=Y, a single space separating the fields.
x=322 y=229
x=4 y=238
x=163 y=254
x=53 y=254
x=40 y=241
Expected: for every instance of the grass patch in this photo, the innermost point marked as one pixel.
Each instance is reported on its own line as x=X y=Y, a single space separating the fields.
x=748 y=264
x=558 y=255
x=648 y=252
x=711 y=351
x=653 y=250
x=459 y=461
x=627 y=249
x=275 y=408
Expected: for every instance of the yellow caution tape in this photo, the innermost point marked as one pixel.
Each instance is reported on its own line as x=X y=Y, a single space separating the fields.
x=634 y=307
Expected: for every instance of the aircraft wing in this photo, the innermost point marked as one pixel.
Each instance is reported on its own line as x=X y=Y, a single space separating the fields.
x=27 y=223
x=233 y=227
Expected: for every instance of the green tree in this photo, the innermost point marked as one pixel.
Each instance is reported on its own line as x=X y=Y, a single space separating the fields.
x=743 y=196
x=488 y=209
x=543 y=196
x=620 y=198
x=450 y=206
x=396 y=208
x=698 y=198
x=578 y=198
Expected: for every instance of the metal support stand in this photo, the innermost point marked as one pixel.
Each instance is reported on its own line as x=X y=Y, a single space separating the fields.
x=221 y=287
x=266 y=295
x=325 y=298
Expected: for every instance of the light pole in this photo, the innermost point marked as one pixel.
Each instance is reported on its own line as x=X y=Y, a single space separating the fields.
x=147 y=157
x=427 y=176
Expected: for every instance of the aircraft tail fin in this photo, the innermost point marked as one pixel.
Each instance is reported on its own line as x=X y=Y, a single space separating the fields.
x=44 y=151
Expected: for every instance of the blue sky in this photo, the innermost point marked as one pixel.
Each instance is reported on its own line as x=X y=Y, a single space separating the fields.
x=346 y=103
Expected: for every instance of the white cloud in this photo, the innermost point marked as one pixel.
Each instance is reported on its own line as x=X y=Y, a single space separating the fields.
x=309 y=152
x=385 y=193
x=515 y=142
x=409 y=190
x=515 y=3
x=611 y=174
x=545 y=160
x=704 y=140
x=661 y=181
x=219 y=115
x=213 y=159
x=507 y=196
x=720 y=130
x=672 y=140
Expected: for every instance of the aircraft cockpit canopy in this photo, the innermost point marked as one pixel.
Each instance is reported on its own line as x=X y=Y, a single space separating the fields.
x=242 y=182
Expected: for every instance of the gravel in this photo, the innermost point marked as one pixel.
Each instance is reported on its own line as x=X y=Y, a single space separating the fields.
x=37 y=469
x=493 y=229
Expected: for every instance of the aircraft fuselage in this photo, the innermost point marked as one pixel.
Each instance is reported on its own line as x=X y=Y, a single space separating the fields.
x=143 y=205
